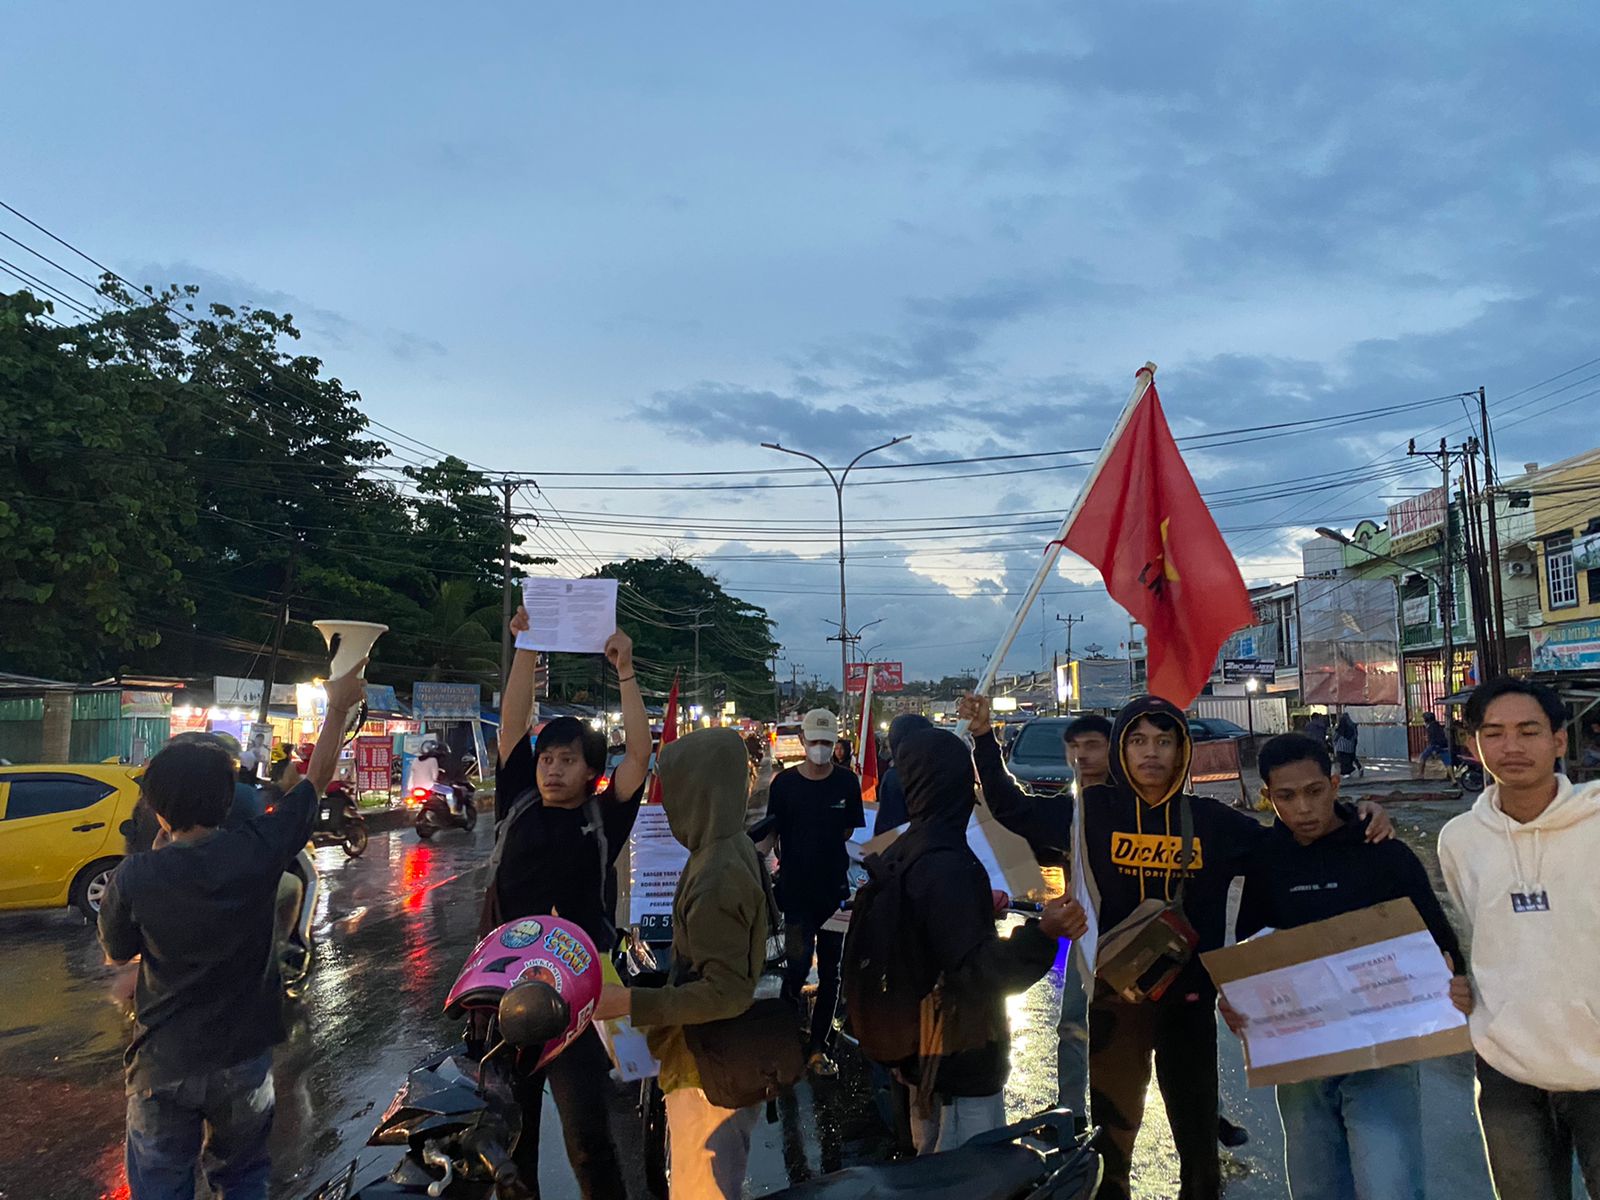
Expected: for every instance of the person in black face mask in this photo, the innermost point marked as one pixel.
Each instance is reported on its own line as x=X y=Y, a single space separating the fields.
x=927 y=974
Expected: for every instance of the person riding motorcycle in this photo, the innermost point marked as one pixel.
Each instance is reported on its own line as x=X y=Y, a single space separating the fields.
x=452 y=771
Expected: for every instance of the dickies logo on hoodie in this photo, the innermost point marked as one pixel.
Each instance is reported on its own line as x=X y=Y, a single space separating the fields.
x=1137 y=852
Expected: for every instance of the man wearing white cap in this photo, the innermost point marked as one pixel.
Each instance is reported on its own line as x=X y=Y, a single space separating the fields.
x=812 y=810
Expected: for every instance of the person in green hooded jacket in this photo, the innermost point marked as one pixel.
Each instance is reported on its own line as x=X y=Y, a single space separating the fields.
x=720 y=923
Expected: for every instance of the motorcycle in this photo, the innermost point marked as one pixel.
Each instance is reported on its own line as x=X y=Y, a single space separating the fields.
x=534 y=983
x=444 y=805
x=297 y=906
x=339 y=821
x=1036 y=1159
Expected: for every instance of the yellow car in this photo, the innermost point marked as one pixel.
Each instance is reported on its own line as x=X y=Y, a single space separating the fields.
x=61 y=832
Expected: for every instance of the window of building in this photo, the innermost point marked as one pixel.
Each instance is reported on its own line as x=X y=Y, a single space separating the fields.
x=1561 y=581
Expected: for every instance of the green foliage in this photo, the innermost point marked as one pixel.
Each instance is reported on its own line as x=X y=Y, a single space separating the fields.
x=165 y=478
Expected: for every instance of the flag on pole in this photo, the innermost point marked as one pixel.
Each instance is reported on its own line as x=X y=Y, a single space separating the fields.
x=669 y=733
x=869 y=746
x=1143 y=525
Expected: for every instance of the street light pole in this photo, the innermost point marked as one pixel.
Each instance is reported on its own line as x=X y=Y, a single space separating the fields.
x=838 y=482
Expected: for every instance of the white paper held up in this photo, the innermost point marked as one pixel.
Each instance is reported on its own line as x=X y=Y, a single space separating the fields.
x=568 y=616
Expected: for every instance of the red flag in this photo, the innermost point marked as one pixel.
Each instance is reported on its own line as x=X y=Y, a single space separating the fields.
x=1145 y=528
x=669 y=733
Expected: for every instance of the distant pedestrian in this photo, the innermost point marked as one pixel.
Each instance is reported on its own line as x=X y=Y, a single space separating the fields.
x=1436 y=745
x=1346 y=736
x=199 y=915
x=1356 y=1135
x=843 y=754
x=1520 y=866
x=813 y=809
x=1317 y=728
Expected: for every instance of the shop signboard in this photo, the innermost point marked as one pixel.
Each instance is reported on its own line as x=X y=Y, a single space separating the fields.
x=446 y=701
x=1240 y=670
x=146 y=704
x=229 y=691
x=1416 y=515
x=1586 y=553
x=374 y=762
x=1571 y=646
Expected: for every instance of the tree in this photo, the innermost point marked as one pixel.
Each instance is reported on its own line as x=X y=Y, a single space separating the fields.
x=94 y=520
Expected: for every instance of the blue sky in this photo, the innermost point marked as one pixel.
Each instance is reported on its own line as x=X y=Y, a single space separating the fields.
x=648 y=238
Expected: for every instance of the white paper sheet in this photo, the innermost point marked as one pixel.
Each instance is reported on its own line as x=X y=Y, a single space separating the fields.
x=568 y=616
x=655 y=861
x=1083 y=893
x=1394 y=989
x=629 y=1051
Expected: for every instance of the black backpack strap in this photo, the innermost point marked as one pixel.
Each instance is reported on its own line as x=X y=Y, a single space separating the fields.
x=1185 y=844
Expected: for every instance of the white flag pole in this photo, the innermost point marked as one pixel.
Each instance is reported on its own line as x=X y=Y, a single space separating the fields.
x=866 y=716
x=1141 y=383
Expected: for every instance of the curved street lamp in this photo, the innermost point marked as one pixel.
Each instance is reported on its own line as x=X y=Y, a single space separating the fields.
x=838 y=482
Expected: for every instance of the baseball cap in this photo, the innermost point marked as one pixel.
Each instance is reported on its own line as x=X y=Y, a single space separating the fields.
x=819 y=725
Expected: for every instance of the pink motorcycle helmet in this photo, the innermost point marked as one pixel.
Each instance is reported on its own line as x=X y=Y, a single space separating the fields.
x=540 y=949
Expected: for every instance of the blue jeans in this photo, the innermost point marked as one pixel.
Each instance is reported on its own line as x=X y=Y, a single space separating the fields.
x=1072 y=1047
x=219 y=1121
x=1354 y=1137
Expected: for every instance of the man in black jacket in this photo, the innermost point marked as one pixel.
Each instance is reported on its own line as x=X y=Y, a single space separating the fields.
x=1364 y=1128
x=927 y=974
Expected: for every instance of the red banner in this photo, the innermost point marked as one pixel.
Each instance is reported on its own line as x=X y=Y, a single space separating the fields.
x=886 y=677
x=374 y=762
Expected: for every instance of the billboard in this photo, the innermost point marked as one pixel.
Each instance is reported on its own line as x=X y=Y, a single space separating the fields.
x=1572 y=646
x=446 y=701
x=1416 y=514
x=886 y=677
x=1349 y=641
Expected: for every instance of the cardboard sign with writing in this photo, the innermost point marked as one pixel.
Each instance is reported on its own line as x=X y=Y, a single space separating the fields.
x=1362 y=990
x=1006 y=857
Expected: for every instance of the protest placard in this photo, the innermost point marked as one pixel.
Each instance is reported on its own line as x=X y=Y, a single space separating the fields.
x=655 y=861
x=1362 y=990
x=568 y=616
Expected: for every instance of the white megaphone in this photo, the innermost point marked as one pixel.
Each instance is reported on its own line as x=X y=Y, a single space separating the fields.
x=348 y=642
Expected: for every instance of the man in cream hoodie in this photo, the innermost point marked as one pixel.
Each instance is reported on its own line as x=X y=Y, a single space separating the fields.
x=1522 y=865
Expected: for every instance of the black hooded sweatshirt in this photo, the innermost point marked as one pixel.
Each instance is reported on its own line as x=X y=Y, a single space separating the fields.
x=1287 y=884
x=1132 y=848
x=938 y=913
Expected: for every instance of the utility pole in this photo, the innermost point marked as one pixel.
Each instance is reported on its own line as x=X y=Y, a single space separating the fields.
x=777 y=705
x=1447 y=586
x=277 y=635
x=697 y=627
x=506 y=608
x=1494 y=532
x=1069 y=621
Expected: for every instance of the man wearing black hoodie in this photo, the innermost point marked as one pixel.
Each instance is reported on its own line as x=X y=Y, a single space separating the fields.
x=926 y=974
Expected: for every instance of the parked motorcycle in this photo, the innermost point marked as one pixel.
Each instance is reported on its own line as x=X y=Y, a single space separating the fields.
x=444 y=805
x=339 y=820
x=1036 y=1159
x=534 y=982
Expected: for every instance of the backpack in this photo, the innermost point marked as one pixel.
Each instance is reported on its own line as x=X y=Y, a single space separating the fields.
x=883 y=984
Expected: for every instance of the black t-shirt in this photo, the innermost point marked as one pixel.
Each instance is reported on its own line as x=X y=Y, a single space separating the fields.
x=813 y=819
x=551 y=859
x=201 y=916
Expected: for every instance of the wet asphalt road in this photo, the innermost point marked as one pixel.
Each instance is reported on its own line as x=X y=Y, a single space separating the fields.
x=393 y=928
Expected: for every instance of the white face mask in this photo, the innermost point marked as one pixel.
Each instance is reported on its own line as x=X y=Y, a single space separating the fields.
x=819 y=753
